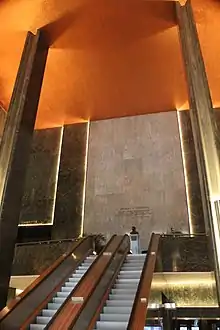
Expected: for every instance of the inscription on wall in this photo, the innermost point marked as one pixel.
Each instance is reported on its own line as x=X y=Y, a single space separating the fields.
x=134 y=212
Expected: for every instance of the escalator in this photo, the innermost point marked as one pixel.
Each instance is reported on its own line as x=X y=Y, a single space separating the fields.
x=82 y=291
x=119 y=300
x=60 y=297
x=117 y=310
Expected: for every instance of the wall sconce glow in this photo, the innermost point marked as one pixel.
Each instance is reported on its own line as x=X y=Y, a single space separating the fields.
x=185 y=174
x=85 y=179
x=57 y=174
x=74 y=256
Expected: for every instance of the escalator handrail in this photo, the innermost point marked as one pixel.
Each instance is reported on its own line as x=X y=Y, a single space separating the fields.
x=139 y=309
x=13 y=304
x=107 y=292
x=67 y=316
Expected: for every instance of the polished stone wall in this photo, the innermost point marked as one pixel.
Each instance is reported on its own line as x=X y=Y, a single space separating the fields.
x=33 y=259
x=184 y=254
x=135 y=176
x=41 y=179
x=53 y=193
x=69 y=199
x=186 y=289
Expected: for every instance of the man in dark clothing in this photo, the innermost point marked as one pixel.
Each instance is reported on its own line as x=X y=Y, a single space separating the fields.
x=134 y=231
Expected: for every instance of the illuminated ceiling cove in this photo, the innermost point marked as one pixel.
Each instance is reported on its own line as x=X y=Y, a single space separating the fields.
x=108 y=59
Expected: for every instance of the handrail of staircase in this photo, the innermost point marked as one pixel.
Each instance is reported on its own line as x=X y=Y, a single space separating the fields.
x=66 y=317
x=85 y=243
x=139 y=310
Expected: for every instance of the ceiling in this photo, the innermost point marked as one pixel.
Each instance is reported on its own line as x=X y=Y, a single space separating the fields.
x=108 y=59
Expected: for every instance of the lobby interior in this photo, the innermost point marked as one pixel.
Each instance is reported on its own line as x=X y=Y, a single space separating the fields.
x=109 y=118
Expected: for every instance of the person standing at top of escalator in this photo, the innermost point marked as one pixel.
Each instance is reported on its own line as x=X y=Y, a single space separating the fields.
x=134 y=241
x=134 y=231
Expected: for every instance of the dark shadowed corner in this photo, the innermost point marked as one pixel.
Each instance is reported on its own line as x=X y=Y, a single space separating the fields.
x=55 y=29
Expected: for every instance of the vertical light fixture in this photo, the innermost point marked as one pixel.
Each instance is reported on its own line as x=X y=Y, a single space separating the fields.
x=57 y=173
x=85 y=179
x=185 y=173
x=215 y=206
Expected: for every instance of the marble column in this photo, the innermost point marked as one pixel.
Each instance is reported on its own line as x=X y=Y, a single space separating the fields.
x=15 y=147
x=204 y=128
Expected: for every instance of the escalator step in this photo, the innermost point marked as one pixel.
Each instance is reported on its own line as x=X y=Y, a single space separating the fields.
x=126 y=291
x=76 y=276
x=80 y=271
x=37 y=326
x=70 y=284
x=127 y=280
x=43 y=319
x=126 y=297
x=117 y=310
x=127 y=268
x=66 y=289
x=111 y=325
x=74 y=279
x=63 y=294
x=114 y=317
x=48 y=312
x=120 y=303
x=130 y=275
x=58 y=300
x=126 y=286
x=53 y=306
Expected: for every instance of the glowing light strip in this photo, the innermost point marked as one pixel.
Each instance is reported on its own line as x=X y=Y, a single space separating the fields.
x=85 y=179
x=57 y=174
x=185 y=174
x=34 y=224
x=216 y=231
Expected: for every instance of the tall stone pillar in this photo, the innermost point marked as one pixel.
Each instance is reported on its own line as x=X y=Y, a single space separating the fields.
x=204 y=128
x=15 y=148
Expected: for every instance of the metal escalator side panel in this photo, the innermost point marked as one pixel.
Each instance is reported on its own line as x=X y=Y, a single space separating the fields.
x=68 y=315
x=28 y=303
x=139 y=309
